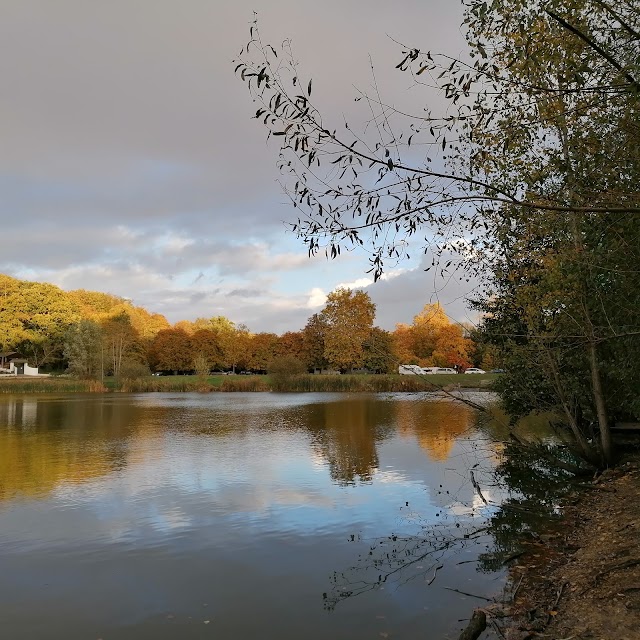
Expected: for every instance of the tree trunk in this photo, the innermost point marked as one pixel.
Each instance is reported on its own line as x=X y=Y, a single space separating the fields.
x=601 y=408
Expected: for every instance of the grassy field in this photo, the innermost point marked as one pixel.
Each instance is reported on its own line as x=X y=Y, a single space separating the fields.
x=298 y=383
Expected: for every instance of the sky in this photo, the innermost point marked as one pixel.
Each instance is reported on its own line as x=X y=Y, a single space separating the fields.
x=131 y=163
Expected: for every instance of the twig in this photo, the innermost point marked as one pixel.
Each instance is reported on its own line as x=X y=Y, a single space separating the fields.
x=494 y=624
x=555 y=604
x=476 y=532
x=623 y=565
x=476 y=486
x=471 y=595
x=434 y=574
x=515 y=592
x=595 y=487
x=513 y=556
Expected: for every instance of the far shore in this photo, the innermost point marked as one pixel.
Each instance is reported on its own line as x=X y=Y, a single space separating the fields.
x=366 y=383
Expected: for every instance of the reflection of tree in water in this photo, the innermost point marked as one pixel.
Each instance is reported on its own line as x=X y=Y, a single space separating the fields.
x=536 y=484
x=45 y=442
x=533 y=485
x=394 y=560
x=435 y=425
x=346 y=433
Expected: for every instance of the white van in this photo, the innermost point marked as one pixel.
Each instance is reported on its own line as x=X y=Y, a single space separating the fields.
x=410 y=370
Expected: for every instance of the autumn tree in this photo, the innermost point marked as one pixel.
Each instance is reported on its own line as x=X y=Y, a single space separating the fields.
x=291 y=343
x=205 y=345
x=452 y=348
x=37 y=316
x=403 y=344
x=314 y=334
x=263 y=348
x=433 y=340
x=425 y=329
x=12 y=331
x=171 y=350
x=348 y=316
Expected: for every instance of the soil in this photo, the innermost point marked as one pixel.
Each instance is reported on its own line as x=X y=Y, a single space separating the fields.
x=581 y=580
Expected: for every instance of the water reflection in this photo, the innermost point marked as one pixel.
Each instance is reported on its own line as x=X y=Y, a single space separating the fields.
x=436 y=426
x=347 y=433
x=136 y=511
x=44 y=443
x=48 y=441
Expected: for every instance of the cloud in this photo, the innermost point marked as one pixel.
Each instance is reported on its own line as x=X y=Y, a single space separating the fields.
x=131 y=163
x=317 y=298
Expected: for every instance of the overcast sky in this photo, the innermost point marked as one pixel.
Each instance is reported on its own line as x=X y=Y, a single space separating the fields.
x=131 y=164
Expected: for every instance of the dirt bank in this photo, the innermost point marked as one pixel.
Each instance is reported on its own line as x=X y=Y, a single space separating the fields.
x=581 y=580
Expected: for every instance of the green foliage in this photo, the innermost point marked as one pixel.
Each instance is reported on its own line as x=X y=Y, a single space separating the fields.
x=83 y=350
x=132 y=369
x=379 y=352
x=285 y=366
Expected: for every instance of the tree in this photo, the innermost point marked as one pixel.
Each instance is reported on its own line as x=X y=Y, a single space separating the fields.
x=560 y=300
x=530 y=178
x=205 y=345
x=379 y=353
x=38 y=315
x=433 y=340
x=263 y=348
x=171 y=350
x=348 y=316
x=121 y=341
x=235 y=342
x=292 y=343
x=282 y=369
x=424 y=332
x=83 y=350
x=452 y=348
x=314 y=334
x=365 y=181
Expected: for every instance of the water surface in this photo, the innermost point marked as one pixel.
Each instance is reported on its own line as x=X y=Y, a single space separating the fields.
x=240 y=516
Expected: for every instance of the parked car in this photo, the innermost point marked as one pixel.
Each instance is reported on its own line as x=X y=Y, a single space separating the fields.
x=497 y=371
x=410 y=370
x=440 y=370
x=475 y=370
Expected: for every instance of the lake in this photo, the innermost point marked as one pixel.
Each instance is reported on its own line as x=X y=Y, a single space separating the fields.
x=242 y=516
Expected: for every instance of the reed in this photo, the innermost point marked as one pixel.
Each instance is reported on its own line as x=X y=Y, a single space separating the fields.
x=18 y=384
x=301 y=383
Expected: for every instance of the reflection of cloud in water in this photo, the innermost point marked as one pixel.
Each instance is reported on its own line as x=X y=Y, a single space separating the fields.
x=389 y=477
x=249 y=498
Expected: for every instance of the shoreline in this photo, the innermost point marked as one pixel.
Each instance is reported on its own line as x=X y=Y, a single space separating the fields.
x=305 y=383
x=579 y=577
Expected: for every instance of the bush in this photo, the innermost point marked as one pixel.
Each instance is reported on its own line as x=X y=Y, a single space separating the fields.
x=285 y=366
x=133 y=369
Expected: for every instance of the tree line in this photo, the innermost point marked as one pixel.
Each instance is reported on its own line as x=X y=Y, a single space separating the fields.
x=91 y=335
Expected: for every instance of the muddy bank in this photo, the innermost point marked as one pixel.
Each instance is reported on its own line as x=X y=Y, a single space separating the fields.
x=579 y=577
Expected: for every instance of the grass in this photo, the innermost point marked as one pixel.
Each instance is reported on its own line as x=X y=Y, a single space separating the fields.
x=298 y=383
x=18 y=384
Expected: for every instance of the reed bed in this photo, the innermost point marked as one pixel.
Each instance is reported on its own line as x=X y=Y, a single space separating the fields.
x=304 y=383
x=18 y=384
